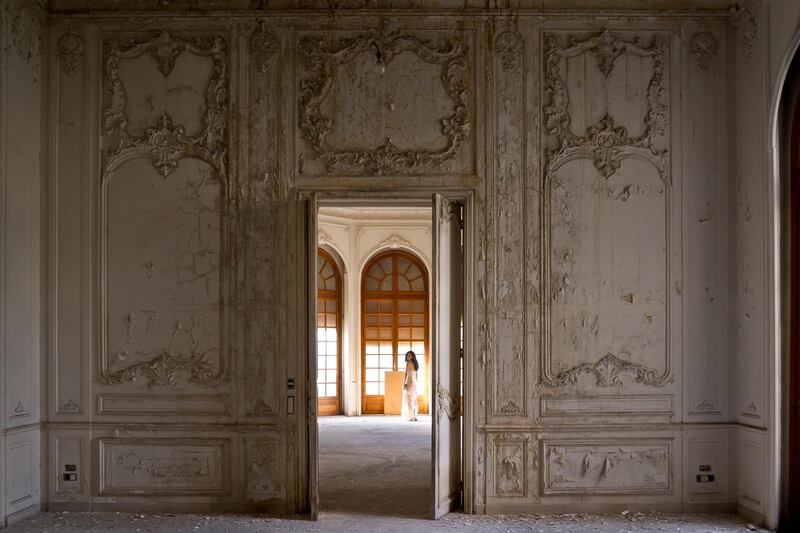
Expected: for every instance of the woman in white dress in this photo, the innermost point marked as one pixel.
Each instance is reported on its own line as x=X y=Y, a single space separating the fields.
x=410 y=406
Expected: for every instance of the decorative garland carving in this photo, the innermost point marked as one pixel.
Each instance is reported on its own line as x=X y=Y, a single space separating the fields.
x=446 y=403
x=704 y=47
x=321 y=61
x=164 y=368
x=609 y=370
x=606 y=143
x=509 y=47
x=745 y=24
x=70 y=52
x=166 y=143
x=263 y=45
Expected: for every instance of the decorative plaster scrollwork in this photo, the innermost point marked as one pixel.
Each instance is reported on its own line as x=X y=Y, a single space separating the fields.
x=164 y=368
x=704 y=47
x=263 y=45
x=322 y=61
x=69 y=407
x=166 y=143
x=606 y=143
x=70 y=52
x=609 y=370
x=447 y=211
x=446 y=403
x=395 y=241
x=745 y=24
x=509 y=46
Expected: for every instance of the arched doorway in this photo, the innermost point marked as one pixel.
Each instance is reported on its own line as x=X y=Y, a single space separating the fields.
x=329 y=335
x=394 y=320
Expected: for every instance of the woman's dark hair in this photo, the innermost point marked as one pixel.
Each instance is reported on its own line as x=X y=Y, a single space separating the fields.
x=413 y=359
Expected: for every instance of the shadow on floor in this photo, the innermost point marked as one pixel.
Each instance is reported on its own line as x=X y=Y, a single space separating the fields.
x=375 y=465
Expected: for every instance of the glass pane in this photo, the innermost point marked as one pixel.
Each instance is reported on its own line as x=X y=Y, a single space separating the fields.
x=320 y=316
x=331 y=390
x=419 y=306
x=372 y=375
x=321 y=391
x=386 y=264
x=381 y=388
x=372 y=333
x=418 y=333
x=386 y=320
x=320 y=363
x=418 y=320
x=386 y=348
x=386 y=306
x=386 y=333
x=331 y=362
x=403 y=320
x=372 y=348
x=373 y=389
x=320 y=376
x=403 y=284
x=403 y=347
x=403 y=306
x=418 y=347
x=413 y=272
x=372 y=361
x=371 y=320
x=330 y=376
x=331 y=335
x=386 y=284
x=386 y=362
x=372 y=284
x=330 y=306
x=371 y=306
x=404 y=333
x=418 y=284
x=321 y=347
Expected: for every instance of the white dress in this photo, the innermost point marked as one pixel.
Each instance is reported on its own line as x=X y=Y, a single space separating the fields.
x=410 y=407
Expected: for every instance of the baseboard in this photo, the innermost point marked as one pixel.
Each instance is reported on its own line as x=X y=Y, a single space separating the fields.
x=751 y=515
x=273 y=509
x=608 y=508
x=22 y=514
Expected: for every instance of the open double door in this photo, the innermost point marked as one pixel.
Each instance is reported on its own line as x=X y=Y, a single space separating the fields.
x=446 y=388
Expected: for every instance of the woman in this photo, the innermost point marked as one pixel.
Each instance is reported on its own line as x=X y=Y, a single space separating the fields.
x=410 y=406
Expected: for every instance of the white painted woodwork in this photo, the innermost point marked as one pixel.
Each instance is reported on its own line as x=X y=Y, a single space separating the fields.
x=446 y=336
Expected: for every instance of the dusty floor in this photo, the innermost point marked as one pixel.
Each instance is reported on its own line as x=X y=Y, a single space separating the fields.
x=382 y=485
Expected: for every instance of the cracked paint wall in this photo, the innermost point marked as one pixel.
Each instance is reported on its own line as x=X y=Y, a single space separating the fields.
x=597 y=146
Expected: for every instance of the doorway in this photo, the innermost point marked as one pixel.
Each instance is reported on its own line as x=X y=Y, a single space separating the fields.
x=417 y=301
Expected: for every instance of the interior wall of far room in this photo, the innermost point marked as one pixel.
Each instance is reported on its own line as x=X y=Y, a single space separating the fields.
x=356 y=236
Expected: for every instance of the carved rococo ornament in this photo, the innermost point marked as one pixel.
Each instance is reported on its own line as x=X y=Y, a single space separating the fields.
x=164 y=369
x=606 y=143
x=446 y=403
x=166 y=143
x=509 y=47
x=322 y=60
x=70 y=52
x=704 y=47
x=609 y=371
x=263 y=45
x=745 y=24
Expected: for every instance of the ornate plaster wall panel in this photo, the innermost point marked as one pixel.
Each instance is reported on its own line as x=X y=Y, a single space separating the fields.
x=266 y=468
x=633 y=466
x=162 y=276
x=512 y=240
x=257 y=241
x=706 y=464
x=385 y=102
x=751 y=469
x=513 y=471
x=69 y=448
x=22 y=476
x=164 y=466
x=69 y=231
x=751 y=246
x=632 y=409
x=706 y=249
x=608 y=211
x=178 y=405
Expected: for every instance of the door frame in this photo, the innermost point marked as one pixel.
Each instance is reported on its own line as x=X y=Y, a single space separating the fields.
x=307 y=439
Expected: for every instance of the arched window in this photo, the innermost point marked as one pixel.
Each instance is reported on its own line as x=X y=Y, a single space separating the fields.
x=329 y=335
x=394 y=307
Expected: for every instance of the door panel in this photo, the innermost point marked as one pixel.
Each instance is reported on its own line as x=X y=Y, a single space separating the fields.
x=447 y=313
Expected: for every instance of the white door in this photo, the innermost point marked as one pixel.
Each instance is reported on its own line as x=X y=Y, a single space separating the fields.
x=446 y=378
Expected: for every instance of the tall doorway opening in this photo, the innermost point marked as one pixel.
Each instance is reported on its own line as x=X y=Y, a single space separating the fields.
x=394 y=321
x=397 y=293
